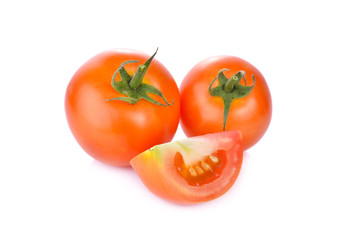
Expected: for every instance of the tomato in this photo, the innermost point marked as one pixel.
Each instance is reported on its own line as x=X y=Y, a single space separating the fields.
x=117 y=108
x=192 y=170
x=214 y=100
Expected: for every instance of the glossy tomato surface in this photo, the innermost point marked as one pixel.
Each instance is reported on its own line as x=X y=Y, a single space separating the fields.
x=202 y=113
x=115 y=131
x=192 y=170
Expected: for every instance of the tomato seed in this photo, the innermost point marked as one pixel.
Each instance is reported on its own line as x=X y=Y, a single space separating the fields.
x=192 y=172
x=199 y=170
x=214 y=159
x=206 y=167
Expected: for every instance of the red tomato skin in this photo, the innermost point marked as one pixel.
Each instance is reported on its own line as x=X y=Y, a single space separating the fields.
x=202 y=113
x=115 y=131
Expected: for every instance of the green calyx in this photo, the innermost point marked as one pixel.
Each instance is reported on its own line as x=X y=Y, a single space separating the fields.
x=132 y=86
x=230 y=89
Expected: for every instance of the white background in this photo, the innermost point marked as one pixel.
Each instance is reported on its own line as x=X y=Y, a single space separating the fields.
x=290 y=182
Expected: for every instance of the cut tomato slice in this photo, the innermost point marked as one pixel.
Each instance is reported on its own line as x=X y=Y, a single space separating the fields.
x=196 y=169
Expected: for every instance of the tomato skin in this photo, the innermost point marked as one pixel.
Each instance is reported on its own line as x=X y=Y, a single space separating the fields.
x=115 y=131
x=202 y=113
x=157 y=170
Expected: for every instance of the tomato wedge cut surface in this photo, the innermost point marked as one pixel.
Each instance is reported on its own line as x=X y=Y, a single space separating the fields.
x=196 y=169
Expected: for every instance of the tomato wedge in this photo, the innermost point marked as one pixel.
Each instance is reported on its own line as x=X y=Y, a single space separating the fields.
x=196 y=169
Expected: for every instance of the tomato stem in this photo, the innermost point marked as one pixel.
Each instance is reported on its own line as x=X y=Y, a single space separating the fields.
x=132 y=86
x=125 y=77
x=230 y=89
x=230 y=84
x=139 y=75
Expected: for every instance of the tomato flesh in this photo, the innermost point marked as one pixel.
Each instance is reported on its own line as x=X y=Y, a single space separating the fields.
x=203 y=171
x=193 y=170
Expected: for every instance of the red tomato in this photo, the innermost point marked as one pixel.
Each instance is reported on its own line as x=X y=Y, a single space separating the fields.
x=132 y=121
x=192 y=170
x=207 y=108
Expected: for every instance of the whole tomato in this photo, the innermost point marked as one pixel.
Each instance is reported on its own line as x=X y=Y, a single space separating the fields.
x=120 y=103
x=225 y=93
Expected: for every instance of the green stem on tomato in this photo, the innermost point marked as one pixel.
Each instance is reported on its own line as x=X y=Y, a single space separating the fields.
x=132 y=86
x=230 y=89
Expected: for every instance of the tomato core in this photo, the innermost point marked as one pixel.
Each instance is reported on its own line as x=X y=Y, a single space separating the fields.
x=203 y=171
